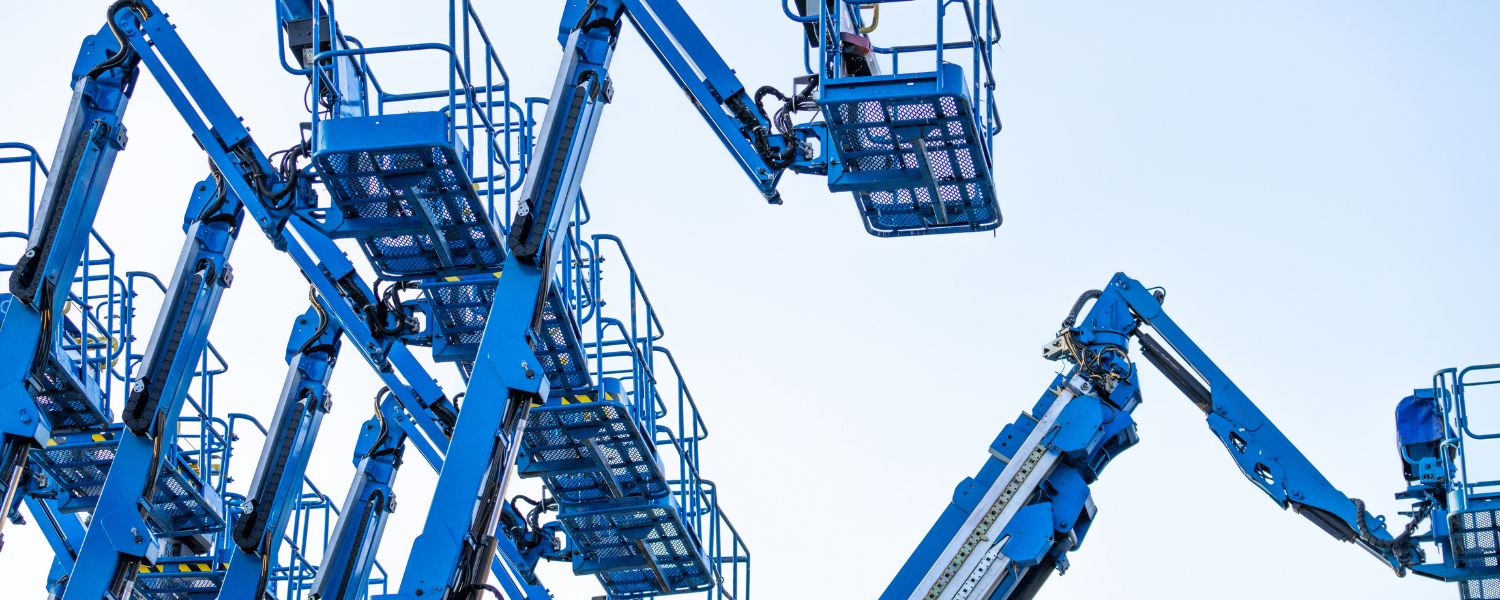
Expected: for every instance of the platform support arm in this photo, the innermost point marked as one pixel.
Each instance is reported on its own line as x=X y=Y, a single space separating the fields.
x=1266 y=456
x=458 y=541
x=250 y=178
x=276 y=487
x=113 y=549
x=717 y=93
x=93 y=135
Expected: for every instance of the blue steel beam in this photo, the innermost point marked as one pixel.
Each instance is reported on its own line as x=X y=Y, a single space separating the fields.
x=93 y=135
x=120 y=539
x=1014 y=523
x=277 y=485
x=251 y=179
x=1261 y=451
x=350 y=552
x=457 y=543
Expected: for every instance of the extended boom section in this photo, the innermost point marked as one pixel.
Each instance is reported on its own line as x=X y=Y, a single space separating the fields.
x=1013 y=523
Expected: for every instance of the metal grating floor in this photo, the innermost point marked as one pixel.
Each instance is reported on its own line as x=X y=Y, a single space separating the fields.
x=62 y=399
x=559 y=349
x=414 y=211
x=913 y=155
x=178 y=579
x=460 y=309
x=589 y=451
x=1476 y=537
x=79 y=463
x=638 y=551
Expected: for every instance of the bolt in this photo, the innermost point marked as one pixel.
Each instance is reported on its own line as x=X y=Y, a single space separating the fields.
x=248 y=507
x=135 y=534
x=527 y=368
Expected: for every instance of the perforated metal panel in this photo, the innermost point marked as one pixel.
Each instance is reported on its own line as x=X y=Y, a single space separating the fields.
x=405 y=196
x=559 y=350
x=911 y=152
x=77 y=468
x=60 y=397
x=637 y=551
x=590 y=451
x=460 y=310
x=1476 y=541
x=79 y=463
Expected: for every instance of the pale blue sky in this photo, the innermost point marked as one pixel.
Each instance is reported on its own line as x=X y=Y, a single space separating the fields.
x=1314 y=182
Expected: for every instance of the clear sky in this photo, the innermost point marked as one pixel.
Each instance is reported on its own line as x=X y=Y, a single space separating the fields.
x=1314 y=182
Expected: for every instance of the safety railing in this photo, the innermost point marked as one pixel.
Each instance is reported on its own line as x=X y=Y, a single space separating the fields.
x=963 y=32
x=93 y=326
x=1457 y=389
x=627 y=348
x=475 y=96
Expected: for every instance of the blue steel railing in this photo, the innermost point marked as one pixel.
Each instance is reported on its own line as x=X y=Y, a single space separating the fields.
x=658 y=398
x=93 y=322
x=978 y=33
x=1453 y=387
x=476 y=96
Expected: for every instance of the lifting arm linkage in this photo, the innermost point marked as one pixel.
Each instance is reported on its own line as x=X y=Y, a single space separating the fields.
x=714 y=89
x=457 y=542
x=112 y=550
x=277 y=486
x=350 y=553
x=251 y=179
x=93 y=135
x=1265 y=455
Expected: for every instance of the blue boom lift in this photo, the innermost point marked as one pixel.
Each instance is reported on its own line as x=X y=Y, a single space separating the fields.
x=1012 y=524
x=427 y=196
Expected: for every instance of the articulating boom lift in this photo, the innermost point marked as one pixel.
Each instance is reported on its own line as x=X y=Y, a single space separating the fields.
x=1009 y=527
x=419 y=193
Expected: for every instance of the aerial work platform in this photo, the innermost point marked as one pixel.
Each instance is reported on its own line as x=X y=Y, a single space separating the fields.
x=590 y=449
x=180 y=578
x=400 y=188
x=909 y=148
x=636 y=548
x=78 y=464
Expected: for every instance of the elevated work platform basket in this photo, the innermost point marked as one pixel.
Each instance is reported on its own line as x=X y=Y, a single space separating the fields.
x=68 y=402
x=78 y=464
x=910 y=149
x=399 y=187
x=637 y=549
x=589 y=449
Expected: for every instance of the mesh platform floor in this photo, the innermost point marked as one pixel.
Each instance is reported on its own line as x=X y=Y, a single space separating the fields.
x=170 y=579
x=590 y=451
x=424 y=216
x=461 y=309
x=663 y=554
x=60 y=396
x=79 y=463
x=918 y=156
x=1476 y=536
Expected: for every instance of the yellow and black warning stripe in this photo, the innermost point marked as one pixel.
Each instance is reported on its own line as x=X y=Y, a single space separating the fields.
x=102 y=436
x=576 y=399
x=199 y=567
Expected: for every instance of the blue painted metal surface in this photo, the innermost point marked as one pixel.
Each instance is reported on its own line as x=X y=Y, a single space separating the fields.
x=908 y=132
x=1042 y=464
